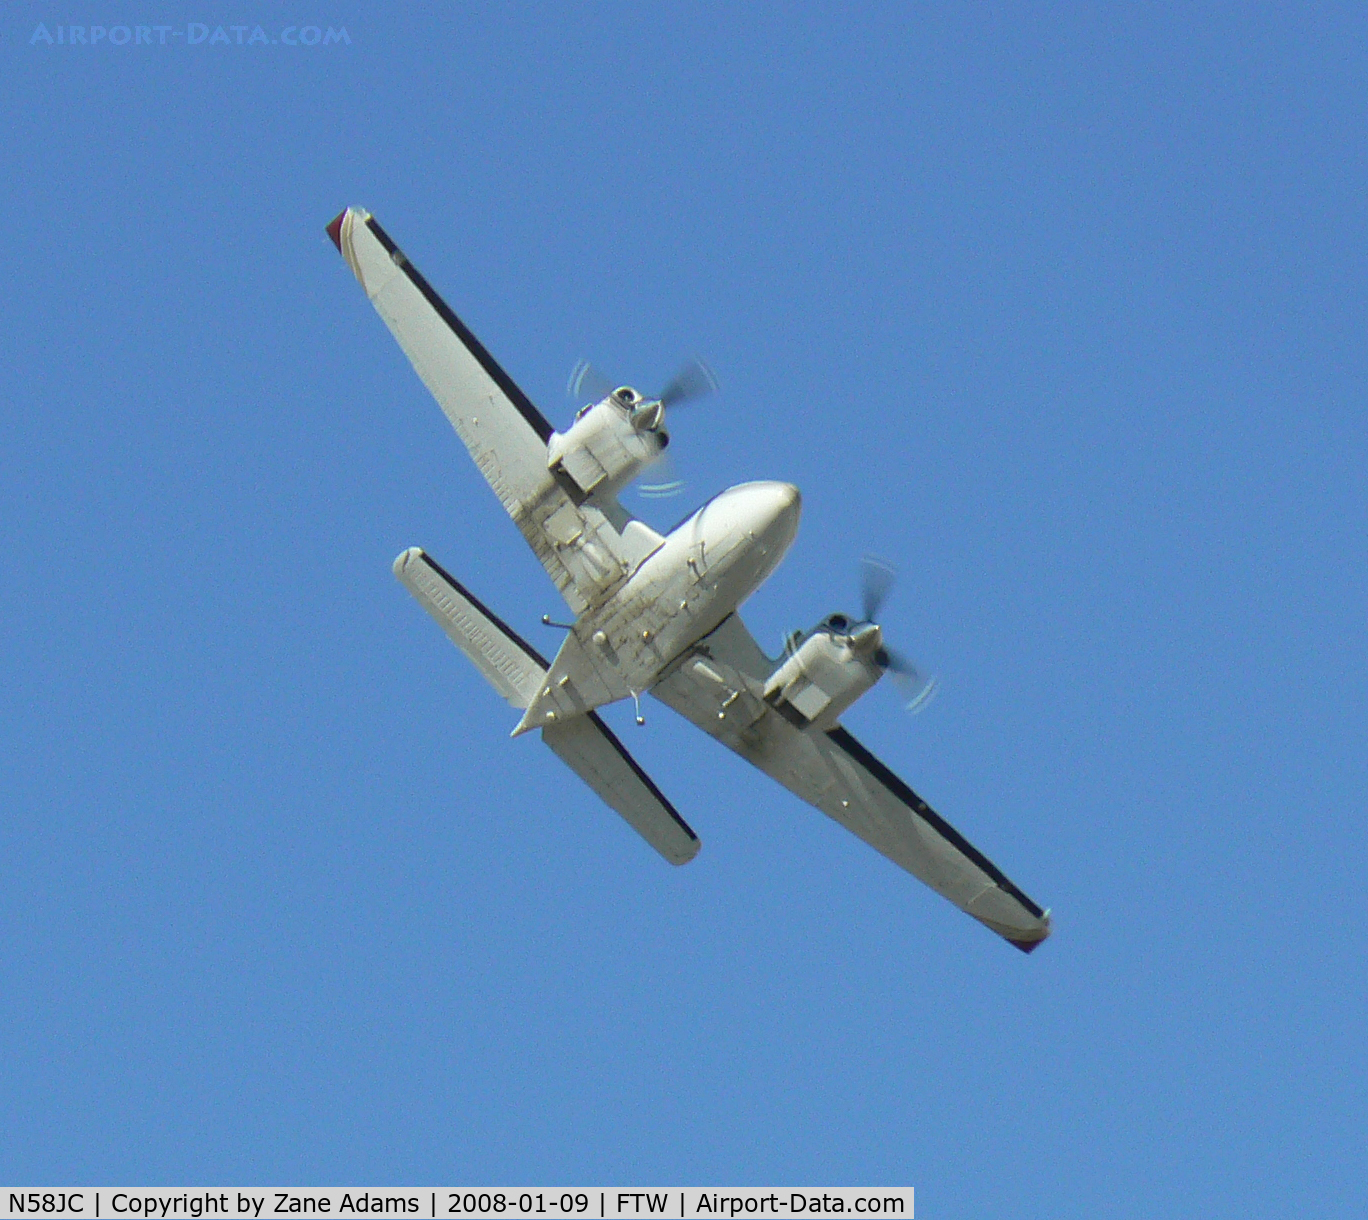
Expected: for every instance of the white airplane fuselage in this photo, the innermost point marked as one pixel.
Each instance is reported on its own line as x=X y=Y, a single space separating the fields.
x=703 y=571
x=712 y=563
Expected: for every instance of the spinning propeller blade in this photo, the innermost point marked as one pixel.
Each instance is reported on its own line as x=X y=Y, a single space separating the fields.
x=876 y=582
x=918 y=689
x=665 y=481
x=694 y=380
x=877 y=578
x=587 y=382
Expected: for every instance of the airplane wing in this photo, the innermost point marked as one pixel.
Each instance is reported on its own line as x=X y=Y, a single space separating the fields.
x=586 y=550
x=719 y=683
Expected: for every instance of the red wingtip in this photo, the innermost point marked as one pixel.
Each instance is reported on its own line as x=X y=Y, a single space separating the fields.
x=335 y=230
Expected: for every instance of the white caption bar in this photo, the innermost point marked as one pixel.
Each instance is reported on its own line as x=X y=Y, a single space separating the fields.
x=556 y=1202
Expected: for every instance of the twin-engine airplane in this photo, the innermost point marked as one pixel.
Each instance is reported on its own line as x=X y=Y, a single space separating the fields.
x=658 y=614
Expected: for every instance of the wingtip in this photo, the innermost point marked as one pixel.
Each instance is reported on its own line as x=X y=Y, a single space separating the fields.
x=404 y=558
x=1030 y=946
x=681 y=858
x=334 y=229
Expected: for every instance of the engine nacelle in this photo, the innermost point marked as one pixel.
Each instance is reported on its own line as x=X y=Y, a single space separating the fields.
x=825 y=674
x=608 y=445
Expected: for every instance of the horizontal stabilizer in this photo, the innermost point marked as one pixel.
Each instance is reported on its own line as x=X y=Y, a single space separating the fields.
x=511 y=666
x=592 y=751
x=515 y=669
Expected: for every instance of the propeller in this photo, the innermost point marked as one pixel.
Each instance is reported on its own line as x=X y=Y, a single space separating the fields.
x=918 y=689
x=876 y=582
x=693 y=381
x=877 y=579
x=587 y=382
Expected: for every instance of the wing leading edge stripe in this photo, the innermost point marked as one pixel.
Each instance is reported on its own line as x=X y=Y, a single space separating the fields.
x=540 y=425
x=598 y=723
x=918 y=806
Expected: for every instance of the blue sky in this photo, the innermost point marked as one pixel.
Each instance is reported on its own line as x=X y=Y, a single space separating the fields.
x=1061 y=310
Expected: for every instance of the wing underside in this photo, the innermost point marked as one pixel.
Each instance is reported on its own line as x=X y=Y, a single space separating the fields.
x=718 y=685
x=587 y=549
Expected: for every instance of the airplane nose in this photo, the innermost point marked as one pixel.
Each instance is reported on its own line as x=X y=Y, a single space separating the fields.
x=787 y=508
x=768 y=511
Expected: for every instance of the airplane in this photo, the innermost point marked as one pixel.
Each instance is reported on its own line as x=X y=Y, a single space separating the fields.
x=658 y=613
